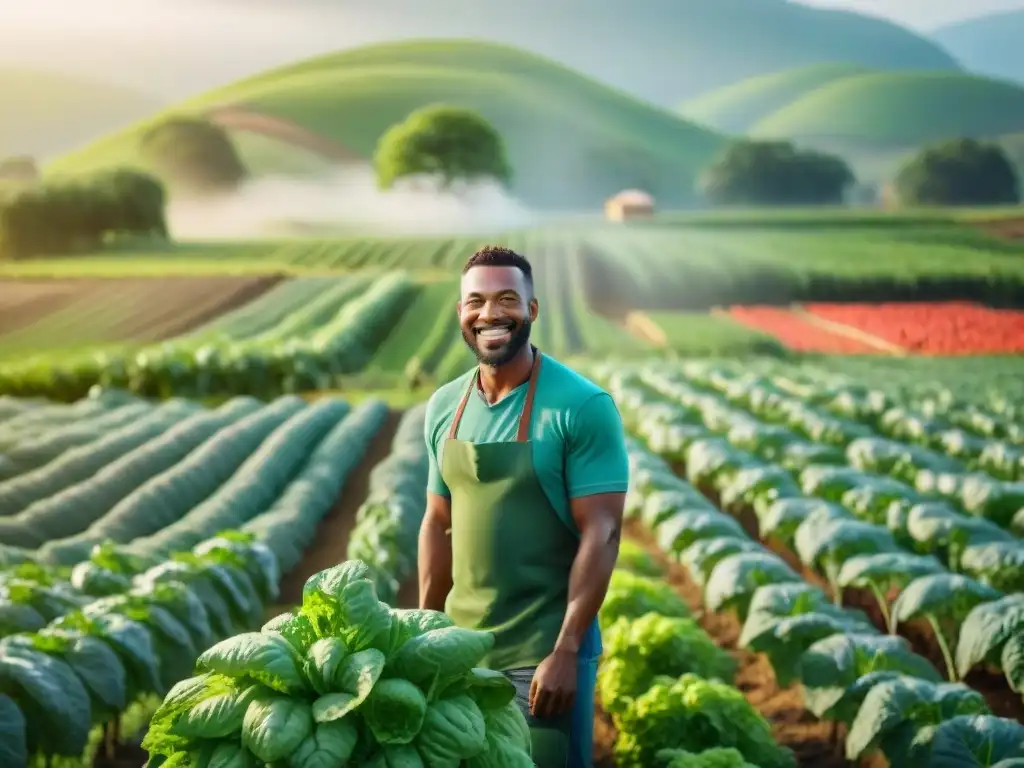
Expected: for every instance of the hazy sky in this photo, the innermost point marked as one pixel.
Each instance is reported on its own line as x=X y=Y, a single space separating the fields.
x=97 y=37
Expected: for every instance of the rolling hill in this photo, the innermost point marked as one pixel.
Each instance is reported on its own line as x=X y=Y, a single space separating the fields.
x=572 y=141
x=42 y=112
x=989 y=45
x=664 y=51
x=897 y=110
x=735 y=108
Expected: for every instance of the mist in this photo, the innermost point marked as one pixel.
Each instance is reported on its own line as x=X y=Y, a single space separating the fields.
x=347 y=198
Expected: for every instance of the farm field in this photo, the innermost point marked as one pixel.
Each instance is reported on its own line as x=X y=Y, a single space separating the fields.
x=795 y=530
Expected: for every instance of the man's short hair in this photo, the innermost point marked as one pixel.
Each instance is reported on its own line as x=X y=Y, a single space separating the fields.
x=500 y=256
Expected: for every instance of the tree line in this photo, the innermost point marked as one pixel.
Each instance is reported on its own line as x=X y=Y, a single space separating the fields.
x=82 y=214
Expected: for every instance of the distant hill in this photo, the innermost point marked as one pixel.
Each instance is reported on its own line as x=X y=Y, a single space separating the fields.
x=665 y=51
x=735 y=108
x=990 y=45
x=42 y=113
x=572 y=140
x=899 y=109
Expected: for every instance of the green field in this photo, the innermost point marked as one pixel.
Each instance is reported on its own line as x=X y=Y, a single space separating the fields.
x=570 y=139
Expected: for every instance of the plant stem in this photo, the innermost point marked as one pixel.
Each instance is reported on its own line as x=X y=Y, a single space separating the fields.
x=940 y=638
x=883 y=606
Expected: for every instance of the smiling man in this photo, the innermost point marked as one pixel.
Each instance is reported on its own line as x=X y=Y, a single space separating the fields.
x=527 y=483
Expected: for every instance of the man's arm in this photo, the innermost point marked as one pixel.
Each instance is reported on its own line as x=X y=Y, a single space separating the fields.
x=597 y=477
x=599 y=519
x=435 y=553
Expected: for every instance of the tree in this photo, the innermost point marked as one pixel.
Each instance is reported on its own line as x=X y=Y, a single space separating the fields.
x=451 y=143
x=193 y=154
x=775 y=173
x=81 y=215
x=958 y=172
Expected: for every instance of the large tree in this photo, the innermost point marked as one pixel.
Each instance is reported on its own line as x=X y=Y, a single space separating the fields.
x=193 y=154
x=775 y=173
x=448 y=143
x=958 y=172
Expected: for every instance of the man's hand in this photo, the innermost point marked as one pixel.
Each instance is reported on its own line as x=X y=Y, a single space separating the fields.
x=553 y=689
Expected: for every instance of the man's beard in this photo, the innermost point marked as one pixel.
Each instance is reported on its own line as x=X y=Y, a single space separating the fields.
x=501 y=355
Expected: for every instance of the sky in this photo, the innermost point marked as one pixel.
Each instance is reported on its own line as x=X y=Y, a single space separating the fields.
x=89 y=36
x=922 y=14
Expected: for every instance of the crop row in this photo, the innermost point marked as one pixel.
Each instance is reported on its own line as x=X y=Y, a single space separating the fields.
x=334 y=335
x=851 y=673
x=82 y=645
x=787 y=481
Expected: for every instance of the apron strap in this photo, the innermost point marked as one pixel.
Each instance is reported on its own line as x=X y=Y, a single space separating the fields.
x=524 y=418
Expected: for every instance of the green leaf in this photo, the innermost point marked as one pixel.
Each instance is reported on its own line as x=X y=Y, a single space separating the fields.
x=267 y=658
x=681 y=530
x=942 y=595
x=985 y=629
x=903 y=702
x=453 y=731
x=792 y=635
x=701 y=557
x=736 y=577
x=440 y=655
x=838 y=540
x=298 y=630
x=831 y=666
x=13 y=744
x=219 y=715
x=395 y=710
x=885 y=570
x=231 y=754
x=52 y=698
x=362 y=617
x=350 y=686
x=331 y=744
x=1013 y=662
x=322 y=661
x=275 y=726
x=973 y=741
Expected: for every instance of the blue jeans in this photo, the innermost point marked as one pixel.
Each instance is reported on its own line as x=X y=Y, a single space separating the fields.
x=564 y=741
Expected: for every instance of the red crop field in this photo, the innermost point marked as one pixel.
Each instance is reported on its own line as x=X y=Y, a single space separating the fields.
x=950 y=328
x=797 y=333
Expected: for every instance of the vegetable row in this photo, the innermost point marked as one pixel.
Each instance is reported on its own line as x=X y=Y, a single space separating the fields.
x=849 y=671
x=333 y=336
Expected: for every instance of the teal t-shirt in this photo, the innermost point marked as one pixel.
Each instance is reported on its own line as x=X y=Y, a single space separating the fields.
x=579 y=446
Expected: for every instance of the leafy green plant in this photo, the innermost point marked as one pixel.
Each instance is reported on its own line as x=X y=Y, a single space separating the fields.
x=344 y=678
x=883 y=573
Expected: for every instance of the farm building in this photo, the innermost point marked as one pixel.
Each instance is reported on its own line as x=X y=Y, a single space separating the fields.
x=629 y=204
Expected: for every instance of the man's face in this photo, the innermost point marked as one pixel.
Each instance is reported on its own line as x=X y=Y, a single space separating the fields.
x=495 y=313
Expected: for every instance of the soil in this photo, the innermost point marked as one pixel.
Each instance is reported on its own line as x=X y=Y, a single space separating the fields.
x=128 y=309
x=331 y=543
x=1007 y=229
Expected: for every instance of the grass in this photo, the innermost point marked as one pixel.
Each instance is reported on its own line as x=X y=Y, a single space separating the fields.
x=699 y=334
x=566 y=134
x=734 y=108
x=45 y=112
x=901 y=109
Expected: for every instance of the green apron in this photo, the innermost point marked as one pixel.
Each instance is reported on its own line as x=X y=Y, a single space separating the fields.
x=511 y=556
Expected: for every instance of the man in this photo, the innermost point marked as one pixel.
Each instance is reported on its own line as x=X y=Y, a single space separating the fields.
x=526 y=489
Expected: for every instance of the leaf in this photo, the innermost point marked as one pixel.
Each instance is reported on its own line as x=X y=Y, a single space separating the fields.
x=682 y=529
x=440 y=654
x=885 y=570
x=13 y=744
x=395 y=709
x=322 y=661
x=351 y=685
x=362 y=617
x=275 y=726
x=267 y=658
x=973 y=741
x=831 y=666
x=776 y=601
x=331 y=744
x=298 y=630
x=942 y=595
x=783 y=517
x=893 y=703
x=703 y=555
x=219 y=715
x=838 y=540
x=986 y=628
x=736 y=577
x=52 y=698
x=453 y=730
x=792 y=635
x=231 y=755
x=1013 y=662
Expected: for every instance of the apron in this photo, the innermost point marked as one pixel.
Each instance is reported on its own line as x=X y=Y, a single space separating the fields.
x=511 y=557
